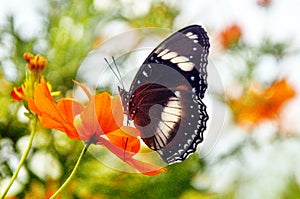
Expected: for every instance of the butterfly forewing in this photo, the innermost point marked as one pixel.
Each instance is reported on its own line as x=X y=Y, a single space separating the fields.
x=164 y=99
x=185 y=51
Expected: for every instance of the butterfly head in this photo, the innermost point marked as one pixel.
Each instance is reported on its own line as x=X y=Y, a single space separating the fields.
x=124 y=98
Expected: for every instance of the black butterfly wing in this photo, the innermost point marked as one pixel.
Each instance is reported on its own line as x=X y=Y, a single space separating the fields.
x=165 y=95
x=190 y=43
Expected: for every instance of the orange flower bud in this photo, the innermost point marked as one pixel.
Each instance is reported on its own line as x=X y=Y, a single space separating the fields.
x=18 y=93
x=35 y=64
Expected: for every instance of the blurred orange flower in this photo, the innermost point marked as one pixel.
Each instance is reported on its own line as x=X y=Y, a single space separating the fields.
x=98 y=122
x=263 y=3
x=230 y=36
x=259 y=104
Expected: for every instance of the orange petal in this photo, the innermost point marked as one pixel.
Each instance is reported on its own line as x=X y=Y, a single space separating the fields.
x=126 y=131
x=117 y=110
x=130 y=131
x=44 y=101
x=89 y=120
x=33 y=107
x=143 y=167
x=84 y=88
x=84 y=132
x=54 y=116
x=68 y=109
x=146 y=168
x=126 y=143
x=103 y=108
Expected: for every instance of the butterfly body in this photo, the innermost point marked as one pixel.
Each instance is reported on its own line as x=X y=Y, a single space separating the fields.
x=165 y=98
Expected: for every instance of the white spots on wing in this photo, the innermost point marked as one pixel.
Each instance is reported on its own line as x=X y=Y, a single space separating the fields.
x=138 y=81
x=177 y=93
x=179 y=59
x=189 y=142
x=169 y=55
x=187 y=66
x=182 y=62
x=180 y=151
x=189 y=34
x=194 y=135
x=186 y=145
x=145 y=74
x=192 y=78
x=165 y=51
x=192 y=36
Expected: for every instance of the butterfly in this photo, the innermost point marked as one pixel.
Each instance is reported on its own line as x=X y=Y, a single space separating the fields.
x=165 y=98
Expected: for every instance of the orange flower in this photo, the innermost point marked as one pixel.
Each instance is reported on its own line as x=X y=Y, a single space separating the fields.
x=98 y=122
x=259 y=104
x=34 y=68
x=230 y=36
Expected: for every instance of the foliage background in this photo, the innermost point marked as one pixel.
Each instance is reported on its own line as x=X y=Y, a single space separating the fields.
x=256 y=160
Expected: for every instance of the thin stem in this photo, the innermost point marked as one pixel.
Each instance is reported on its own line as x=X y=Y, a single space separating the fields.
x=23 y=158
x=68 y=180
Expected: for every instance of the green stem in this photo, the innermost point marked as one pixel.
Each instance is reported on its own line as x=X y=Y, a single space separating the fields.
x=68 y=180
x=23 y=158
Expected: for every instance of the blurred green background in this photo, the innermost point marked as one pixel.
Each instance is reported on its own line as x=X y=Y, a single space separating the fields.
x=255 y=152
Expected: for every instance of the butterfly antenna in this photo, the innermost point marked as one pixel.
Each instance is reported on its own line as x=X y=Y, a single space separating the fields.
x=118 y=76
x=118 y=71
